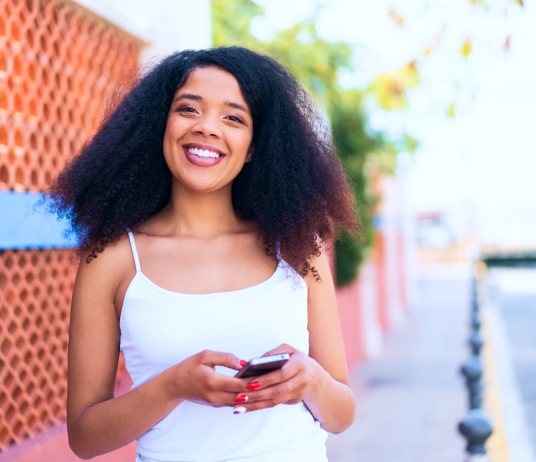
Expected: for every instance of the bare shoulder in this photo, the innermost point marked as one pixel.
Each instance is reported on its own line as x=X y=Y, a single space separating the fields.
x=319 y=277
x=108 y=264
x=104 y=274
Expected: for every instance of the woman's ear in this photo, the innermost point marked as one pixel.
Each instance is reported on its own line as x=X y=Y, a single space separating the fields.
x=249 y=155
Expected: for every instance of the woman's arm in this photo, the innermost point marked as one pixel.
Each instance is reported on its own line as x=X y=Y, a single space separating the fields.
x=321 y=379
x=332 y=402
x=97 y=422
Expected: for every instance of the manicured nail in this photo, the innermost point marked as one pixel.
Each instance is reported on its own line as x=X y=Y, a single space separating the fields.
x=253 y=385
x=239 y=410
x=243 y=363
x=241 y=399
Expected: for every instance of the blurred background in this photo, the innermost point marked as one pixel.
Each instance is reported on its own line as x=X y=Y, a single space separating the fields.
x=430 y=105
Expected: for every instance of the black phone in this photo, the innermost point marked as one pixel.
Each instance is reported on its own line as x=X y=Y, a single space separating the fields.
x=263 y=365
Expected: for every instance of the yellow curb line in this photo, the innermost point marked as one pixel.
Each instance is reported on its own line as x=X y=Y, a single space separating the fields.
x=497 y=444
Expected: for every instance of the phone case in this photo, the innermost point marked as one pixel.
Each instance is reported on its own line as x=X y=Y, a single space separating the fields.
x=260 y=366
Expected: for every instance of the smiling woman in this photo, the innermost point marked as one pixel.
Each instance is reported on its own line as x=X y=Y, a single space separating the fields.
x=210 y=104
x=201 y=208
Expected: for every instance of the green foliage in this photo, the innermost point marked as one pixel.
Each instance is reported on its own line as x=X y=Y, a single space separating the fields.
x=348 y=257
x=354 y=146
x=317 y=64
x=231 y=20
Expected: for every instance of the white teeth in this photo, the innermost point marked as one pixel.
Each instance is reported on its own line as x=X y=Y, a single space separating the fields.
x=203 y=153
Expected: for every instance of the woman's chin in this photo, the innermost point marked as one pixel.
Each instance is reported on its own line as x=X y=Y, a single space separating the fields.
x=202 y=185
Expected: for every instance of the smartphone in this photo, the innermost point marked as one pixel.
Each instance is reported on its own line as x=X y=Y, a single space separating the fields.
x=263 y=365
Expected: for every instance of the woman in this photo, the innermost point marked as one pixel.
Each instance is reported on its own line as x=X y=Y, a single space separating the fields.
x=201 y=206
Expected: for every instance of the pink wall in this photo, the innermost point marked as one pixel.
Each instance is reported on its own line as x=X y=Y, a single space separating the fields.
x=350 y=315
x=381 y=280
x=350 y=307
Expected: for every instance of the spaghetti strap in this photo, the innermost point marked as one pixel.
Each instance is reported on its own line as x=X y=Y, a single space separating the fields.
x=277 y=248
x=134 y=251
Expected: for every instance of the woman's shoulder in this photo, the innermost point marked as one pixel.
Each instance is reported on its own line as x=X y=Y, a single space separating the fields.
x=319 y=277
x=108 y=268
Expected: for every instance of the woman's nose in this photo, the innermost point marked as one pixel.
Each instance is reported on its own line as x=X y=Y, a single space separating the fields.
x=207 y=126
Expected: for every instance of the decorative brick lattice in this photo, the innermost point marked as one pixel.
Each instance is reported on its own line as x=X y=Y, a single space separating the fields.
x=57 y=68
x=35 y=299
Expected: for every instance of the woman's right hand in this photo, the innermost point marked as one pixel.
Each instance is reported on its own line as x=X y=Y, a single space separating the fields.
x=195 y=379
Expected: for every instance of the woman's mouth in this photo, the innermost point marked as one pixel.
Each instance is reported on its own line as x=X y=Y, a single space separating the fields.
x=203 y=157
x=204 y=153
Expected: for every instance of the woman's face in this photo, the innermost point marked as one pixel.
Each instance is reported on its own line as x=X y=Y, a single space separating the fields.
x=209 y=131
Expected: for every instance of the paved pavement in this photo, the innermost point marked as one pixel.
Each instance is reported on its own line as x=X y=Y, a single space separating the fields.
x=410 y=400
x=514 y=293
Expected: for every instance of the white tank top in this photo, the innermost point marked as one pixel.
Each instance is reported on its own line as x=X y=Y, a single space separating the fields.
x=160 y=328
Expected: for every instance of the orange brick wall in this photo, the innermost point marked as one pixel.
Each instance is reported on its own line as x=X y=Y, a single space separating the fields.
x=35 y=299
x=57 y=68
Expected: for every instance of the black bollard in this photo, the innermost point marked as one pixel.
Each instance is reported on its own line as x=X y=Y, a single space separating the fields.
x=475 y=305
x=476 y=428
x=476 y=342
x=476 y=323
x=472 y=371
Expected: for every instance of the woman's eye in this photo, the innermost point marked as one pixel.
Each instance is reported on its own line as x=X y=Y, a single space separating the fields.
x=235 y=119
x=186 y=109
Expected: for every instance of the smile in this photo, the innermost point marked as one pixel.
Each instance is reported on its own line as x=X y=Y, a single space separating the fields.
x=204 y=153
x=202 y=157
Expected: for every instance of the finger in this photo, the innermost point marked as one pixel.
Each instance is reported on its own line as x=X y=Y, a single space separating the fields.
x=220 y=399
x=257 y=405
x=283 y=348
x=292 y=387
x=290 y=369
x=220 y=382
x=217 y=358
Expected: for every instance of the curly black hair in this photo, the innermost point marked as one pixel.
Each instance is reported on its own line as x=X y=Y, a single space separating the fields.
x=294 y=188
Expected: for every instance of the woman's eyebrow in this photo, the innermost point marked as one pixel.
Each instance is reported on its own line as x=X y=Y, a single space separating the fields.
x=237 y=106
x=188 y=96
x=200 y=98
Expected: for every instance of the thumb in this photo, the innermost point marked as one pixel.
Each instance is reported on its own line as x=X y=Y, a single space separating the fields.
x=284 y=348
x=216 y=358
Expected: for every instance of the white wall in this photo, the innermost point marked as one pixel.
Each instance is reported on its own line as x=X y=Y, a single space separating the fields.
x=168 y=25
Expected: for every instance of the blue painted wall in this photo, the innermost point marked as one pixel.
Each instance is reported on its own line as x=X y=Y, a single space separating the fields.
x=23 y=228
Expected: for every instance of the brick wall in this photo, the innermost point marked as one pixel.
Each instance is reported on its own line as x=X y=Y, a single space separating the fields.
x=57 y=68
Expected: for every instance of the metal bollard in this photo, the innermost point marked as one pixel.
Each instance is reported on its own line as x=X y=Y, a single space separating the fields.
x=475 y=321
x=476 y=342
x=476 y=428
x=474 y=298
x=472 y=371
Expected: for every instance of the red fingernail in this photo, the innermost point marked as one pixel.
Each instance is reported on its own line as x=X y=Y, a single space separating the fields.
x=241 y=399
x=253 y=385
x=243 y=363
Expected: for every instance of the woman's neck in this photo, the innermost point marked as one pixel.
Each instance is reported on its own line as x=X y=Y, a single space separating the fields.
x=201 y=214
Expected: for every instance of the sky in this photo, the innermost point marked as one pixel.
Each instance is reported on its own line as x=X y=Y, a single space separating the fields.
x=480 y=165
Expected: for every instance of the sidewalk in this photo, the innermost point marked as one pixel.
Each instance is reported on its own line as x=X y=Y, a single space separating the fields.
x=410 y=400
x=511 y=315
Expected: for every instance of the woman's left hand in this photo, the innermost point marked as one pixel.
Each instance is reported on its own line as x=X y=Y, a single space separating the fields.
x=288 y=385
